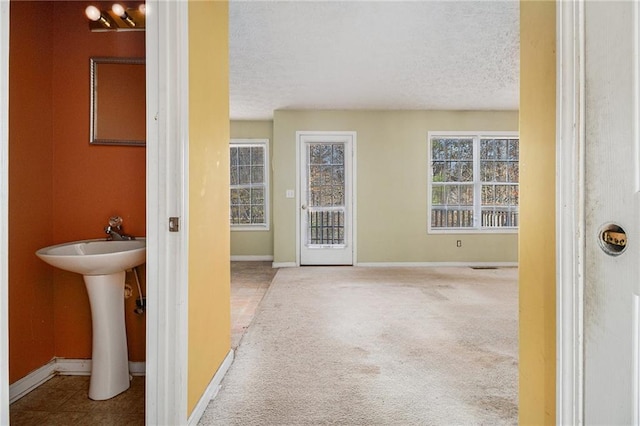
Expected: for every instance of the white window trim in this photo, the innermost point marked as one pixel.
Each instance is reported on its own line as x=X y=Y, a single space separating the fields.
x=267 y=172
x=467 y=133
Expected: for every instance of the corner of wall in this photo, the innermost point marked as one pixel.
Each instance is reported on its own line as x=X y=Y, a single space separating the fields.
x=537 y=280
x=209 y=267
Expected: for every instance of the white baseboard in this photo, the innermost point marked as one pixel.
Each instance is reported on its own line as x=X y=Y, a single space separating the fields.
x=440 y=264
x=137 y=368
x=416 y=264
x=62 y=367
x=82 y=367
x=73 y=367
x=31 y=381
x=211 y=391
x=251 y=258
x=284 y=265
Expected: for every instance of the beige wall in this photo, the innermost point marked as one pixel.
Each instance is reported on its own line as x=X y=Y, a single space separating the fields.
x=391 y=222
x=254 y=243
x=537 y=213
x=209 y=293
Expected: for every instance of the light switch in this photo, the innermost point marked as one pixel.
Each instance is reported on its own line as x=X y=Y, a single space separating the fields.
x=290 y=193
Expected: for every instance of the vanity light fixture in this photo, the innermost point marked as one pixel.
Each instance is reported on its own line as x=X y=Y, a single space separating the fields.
x=94 y=14
x=118 y=18
x=118 y=9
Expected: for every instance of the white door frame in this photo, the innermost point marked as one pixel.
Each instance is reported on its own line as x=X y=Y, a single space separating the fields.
x=570 y=218
x=4 y=212
x=353 y=135
x=167 y=58
x=167 y=168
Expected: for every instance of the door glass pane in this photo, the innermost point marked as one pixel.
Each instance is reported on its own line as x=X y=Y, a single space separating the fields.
x=325 y=194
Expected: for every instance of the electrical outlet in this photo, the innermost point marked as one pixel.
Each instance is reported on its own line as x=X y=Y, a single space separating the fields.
x=459 y=243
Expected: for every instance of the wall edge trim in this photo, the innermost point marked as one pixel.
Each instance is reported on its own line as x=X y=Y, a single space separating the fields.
x=438 y=264
x=212 y=389
x=31 y=381
x=284 y=265
x=61 y=367
x=4 y=212
x=252 y=258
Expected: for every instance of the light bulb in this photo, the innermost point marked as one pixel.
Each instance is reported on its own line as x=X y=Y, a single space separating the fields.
x=92 y=13
x=118 y=9
x=142 y=8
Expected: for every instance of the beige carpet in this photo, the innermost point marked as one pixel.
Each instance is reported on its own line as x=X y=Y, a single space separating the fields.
x=377 y=346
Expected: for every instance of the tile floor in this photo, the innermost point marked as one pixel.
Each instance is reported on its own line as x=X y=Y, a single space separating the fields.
x=249 y=283
x=63 y=399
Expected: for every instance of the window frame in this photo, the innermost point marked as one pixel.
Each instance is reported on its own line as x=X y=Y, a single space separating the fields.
x=258 y=142
x=477 y=183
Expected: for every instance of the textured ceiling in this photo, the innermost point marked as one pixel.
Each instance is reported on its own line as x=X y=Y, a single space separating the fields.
x=452 y=55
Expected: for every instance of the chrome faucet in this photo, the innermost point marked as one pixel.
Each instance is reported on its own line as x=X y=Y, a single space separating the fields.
x=114 y=230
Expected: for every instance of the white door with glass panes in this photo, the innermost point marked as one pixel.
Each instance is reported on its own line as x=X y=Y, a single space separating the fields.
x=326 y=198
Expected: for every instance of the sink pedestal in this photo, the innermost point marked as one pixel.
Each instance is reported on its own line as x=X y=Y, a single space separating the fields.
x=103 y=264
x=109 y=358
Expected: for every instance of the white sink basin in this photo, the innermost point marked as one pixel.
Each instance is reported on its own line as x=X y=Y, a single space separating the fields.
x=103 y=264
x=96 y=257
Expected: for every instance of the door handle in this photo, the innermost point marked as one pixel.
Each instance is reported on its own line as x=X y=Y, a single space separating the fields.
x=304 y=207
x=616 y=238
x=613 y=239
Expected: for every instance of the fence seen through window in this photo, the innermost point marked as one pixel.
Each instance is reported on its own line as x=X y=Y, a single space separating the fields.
x=474 y=182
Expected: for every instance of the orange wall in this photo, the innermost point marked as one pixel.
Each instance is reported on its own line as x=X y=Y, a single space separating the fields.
x=91 y=182
x=61 y=187
x=31 y=326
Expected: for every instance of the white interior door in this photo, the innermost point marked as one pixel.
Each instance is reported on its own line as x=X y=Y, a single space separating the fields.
x=612 y=214
x=326 y=198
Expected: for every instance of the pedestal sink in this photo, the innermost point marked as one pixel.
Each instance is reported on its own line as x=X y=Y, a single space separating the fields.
x=103 y=264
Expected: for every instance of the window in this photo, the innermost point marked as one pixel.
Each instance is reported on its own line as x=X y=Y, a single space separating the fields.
x=473 y=182
x=249 y=207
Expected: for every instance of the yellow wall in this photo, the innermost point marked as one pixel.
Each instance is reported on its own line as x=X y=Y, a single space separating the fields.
x=537 y=212
x=254 y=243
x=391 y=222
x=209 y=312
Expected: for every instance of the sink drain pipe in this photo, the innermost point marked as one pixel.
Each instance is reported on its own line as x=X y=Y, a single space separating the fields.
x=141 y=302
